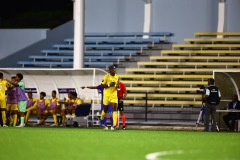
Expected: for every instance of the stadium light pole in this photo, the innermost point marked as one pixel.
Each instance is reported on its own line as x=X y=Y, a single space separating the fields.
x=147 y=17
x=221 y=17
x=79 y=19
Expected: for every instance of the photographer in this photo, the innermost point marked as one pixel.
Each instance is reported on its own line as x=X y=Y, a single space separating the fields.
x=212 y=98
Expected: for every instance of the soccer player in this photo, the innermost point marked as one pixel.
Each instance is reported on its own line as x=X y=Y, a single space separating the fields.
x=3 y=87
x=100 y=91
x=110 y=83
x=31 y=106
x=42 y=105
x=21 y=96
x=54 y=105
x=12 y=103
x=122 y=93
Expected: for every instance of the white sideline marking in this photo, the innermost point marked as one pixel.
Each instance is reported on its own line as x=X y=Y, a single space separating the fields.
x=159 y=155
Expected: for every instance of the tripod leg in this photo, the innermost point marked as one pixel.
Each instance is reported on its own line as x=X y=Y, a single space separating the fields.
x=198 y=120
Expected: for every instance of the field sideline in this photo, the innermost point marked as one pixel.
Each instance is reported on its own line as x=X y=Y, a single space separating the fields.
x=92 y=144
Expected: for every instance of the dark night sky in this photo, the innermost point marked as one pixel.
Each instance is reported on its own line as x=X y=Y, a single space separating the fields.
x=17 y=13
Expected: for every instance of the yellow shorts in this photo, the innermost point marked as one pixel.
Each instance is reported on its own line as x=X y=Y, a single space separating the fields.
x=107 y=99
x=3 y=103
x=12 y=107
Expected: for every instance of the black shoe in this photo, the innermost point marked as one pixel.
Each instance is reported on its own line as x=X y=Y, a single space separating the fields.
x=115 y=128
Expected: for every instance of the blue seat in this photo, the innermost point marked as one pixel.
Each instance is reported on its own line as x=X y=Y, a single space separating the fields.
x=104 y=57
x=68 y=64
x=91 y=52
x=112 y=46
x=123 y=40
x=62 y=58
x=129 y=34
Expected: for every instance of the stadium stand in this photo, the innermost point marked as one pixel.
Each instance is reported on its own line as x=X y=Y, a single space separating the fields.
x=212 y=34
x=173 y=78
x=101 y=50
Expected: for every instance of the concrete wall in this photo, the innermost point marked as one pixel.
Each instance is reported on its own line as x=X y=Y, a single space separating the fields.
x=12 y=40
x=55 y=36
x=182 y=17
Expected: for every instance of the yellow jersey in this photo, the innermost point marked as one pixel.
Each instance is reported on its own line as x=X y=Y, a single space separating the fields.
x=107 y=79
x=3 y=87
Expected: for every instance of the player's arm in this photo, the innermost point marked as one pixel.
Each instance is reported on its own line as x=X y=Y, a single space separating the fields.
x=47 y=103
x=90 y=87
x=79 y=101
x=125 y=92
x=12 y=82
x=104 y=82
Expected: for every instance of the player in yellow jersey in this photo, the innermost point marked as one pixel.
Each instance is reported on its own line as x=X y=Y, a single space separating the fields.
x=32 y=108
x=110 y=83
x=12 y=103
x=3 y=87
x=53 y=107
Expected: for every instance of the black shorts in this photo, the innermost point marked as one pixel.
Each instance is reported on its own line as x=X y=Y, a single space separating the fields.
x=120 y=105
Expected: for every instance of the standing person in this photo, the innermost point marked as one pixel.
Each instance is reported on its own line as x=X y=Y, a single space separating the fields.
x=21 y=96
x=212 y=99
x=54 y=105
x=235 y=104
x=12 y=103
x=3 y=87
x=100 y=91
x=31 y=106
x=109 y=83
x=122 y=93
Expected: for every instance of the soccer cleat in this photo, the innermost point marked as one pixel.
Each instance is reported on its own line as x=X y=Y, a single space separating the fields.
x=53 y=125
x=112 y=128
x=100 y=122
x=115 y=128
x=5 y=125
x=124 y=128
x=105 y=128
x=21 y=125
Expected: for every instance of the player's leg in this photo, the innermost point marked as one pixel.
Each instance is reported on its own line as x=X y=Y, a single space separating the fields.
x=3 y=111
x=29 y=111
x=105 y=104
x=22 y=108
x=14 y=113
x=8 y=115
x=63 y=114
x=53 y=113
x=121 y=110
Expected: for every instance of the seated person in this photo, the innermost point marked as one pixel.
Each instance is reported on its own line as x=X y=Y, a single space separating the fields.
x=42 y=105
x=31 y=108
x=53 y=107
x=231 y=117
x=72 y=103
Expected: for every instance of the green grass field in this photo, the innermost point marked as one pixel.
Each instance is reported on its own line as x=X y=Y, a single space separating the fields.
x=93 y=143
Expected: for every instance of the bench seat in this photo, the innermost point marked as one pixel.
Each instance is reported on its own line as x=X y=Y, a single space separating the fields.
x=156 y=102
x=66 y=64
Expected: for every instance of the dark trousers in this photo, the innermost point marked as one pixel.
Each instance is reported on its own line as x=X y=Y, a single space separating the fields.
x=210 y=112
x=230 y=119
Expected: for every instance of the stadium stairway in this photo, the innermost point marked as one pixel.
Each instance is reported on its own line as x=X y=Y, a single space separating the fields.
x=168 y=82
